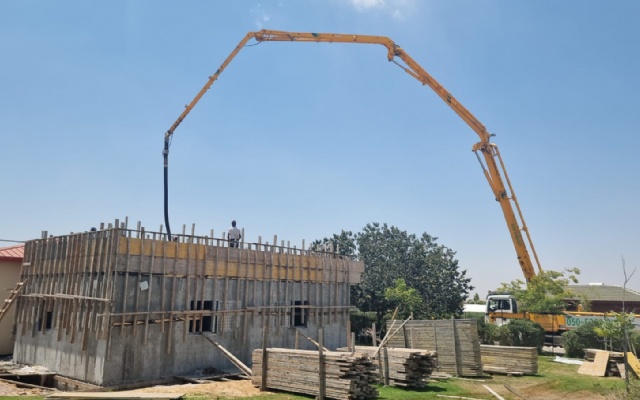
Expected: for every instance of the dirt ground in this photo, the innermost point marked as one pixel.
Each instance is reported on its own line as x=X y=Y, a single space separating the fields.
x=232 y=389
x=7 y=389
x=244 y=388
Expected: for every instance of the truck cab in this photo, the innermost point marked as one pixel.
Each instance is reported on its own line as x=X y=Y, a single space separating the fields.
x=501 y=302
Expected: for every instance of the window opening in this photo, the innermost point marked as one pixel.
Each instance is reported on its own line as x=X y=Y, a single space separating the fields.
x=48 y=321
x=209 y=323
x=300 y=314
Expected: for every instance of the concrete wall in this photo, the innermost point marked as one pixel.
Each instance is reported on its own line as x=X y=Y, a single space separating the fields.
x=9 y=276
x=63 y=357
x=138 y=297
x=132 y=361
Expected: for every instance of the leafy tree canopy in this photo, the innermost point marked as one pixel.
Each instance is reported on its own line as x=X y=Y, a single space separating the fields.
x=427 y=271
x=613 y=328
x=407 y=298
x=545 y=292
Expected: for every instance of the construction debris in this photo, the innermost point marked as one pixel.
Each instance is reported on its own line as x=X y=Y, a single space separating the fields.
x=564 y=360
x=605 y=363
x=493 y=392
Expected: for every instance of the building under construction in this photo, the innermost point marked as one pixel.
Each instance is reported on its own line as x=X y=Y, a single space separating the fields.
x=119 y=305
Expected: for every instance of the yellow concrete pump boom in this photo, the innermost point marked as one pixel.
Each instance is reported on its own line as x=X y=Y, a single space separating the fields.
x=493 y=161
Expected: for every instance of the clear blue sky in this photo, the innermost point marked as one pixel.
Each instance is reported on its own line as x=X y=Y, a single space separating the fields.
x=303 y=140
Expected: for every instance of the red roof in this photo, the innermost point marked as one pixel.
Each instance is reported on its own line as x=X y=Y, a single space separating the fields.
x=12 y=253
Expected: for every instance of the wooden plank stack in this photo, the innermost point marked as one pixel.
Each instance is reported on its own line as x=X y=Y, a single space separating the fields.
x=455 y=341
x=509 y=359
x=602 y=363
x=346 y=375
x=403 y=367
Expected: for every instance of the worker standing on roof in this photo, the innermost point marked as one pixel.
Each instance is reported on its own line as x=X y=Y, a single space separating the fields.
x=234 y=235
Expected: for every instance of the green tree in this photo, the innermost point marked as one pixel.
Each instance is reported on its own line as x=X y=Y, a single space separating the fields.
x=546 y=292
x=583 y=337
x=612 y=330
x=521 y=332
x=487 y=332
x=389 y=254
x=476 y=300
x=406 y=298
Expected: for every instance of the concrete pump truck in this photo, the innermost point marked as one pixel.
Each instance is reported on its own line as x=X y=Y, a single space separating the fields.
x=500 y=308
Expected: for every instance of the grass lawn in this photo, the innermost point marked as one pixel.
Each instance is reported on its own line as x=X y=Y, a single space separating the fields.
x=21 y=397
x=554 y=381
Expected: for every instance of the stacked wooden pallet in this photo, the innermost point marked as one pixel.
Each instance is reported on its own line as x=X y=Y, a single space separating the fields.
x=602 y=363
x=402 y=367
x=345 y=375
x=509 y=359
x=455 y=341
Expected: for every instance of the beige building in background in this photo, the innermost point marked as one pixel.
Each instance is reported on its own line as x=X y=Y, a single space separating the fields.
x=10 y=262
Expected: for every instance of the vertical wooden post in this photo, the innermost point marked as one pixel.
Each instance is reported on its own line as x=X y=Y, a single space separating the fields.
x=335 y=288
x=322 y=375
x=380 y=370
x=265 y=358
x=214 y=285
x=455 y=349
x=237 y=307
x=173 y=294
x=163 y=303
x=245 y=290
x=405 y=337
x=285 y=301
x=307 y=265
x=353 y=342
x=149 y=289
x=201 y=258
x=349 y=343
x=136 y=287
x=320 y=290
x=373 y=334
x=187 y=293
x=411 y=332
x=125 y=295
x=385 y=363
x=435 y=339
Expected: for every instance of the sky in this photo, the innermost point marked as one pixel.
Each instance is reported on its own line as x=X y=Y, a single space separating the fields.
x=304 y=140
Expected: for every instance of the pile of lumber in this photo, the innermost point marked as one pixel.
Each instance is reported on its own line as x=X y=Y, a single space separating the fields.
x=343 y=375
x=402 y=367
x=455 y=341
x=602 y=363
x=509 y=359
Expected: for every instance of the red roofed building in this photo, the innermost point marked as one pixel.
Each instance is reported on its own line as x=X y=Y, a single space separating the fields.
x=10 y=263
x=12 y=254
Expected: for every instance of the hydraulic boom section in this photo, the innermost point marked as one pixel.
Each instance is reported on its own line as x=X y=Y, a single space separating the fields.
x=491 y=166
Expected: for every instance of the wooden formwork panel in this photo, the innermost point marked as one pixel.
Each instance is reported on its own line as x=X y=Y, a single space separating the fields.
x=455 y=341
x=201 y=259
x=509 y=359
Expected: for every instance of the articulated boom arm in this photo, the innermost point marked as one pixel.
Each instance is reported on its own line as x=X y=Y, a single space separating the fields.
x=489 y=151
